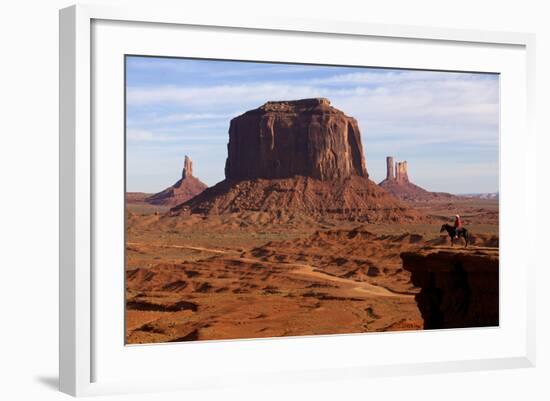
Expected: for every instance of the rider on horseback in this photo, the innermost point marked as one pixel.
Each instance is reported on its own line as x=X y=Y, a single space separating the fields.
x=457 y=225
x=456 y=231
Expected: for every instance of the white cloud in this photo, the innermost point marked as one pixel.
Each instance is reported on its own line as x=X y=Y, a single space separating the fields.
x=382 y=78
x=213 y=96
x=185 y=117
x=254 y=71
x=138 y=135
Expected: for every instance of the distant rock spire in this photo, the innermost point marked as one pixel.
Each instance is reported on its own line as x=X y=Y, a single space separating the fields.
x=389 y=169
x=187 y=187
x=398 y=184
x=187 y=167
x=401 y=174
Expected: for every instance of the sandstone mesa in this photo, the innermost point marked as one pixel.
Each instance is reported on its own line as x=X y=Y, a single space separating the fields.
x=301 y=156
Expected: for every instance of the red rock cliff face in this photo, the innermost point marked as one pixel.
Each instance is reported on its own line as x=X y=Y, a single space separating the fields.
x=458 y=288
x=305 y=137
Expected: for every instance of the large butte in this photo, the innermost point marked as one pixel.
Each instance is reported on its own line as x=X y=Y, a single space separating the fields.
x=300 y=156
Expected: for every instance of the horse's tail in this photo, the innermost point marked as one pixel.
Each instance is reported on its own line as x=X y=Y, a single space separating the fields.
x=466 y=237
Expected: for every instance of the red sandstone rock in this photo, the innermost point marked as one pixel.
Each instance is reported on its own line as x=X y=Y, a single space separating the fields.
x=187 y=168
x=355 y=198
x=458 y=288
x=305 y=137
x=401 y=174
x=184 y=189
x=389 y=169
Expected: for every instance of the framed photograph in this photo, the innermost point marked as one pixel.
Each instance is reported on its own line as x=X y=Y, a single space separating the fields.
x=269 y=200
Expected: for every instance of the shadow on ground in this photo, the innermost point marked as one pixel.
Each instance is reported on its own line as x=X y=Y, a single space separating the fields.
x=52 y=382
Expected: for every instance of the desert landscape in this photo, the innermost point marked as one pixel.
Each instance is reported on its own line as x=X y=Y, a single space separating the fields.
x=299 y=240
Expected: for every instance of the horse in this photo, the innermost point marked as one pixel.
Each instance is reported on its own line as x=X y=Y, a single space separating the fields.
x=453 y=232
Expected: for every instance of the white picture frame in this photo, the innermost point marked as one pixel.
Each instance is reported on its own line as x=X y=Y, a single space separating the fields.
x=79 y=344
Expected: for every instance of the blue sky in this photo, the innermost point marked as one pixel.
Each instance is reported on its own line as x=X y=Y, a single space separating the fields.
x=444 y=124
